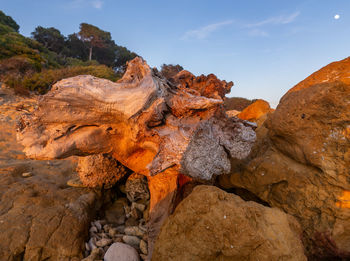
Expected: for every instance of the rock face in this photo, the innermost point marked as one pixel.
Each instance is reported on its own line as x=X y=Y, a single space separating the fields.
x=149 y=125
x=211 y=224
x=207 y=86
x=41 y=218
x=302 y=162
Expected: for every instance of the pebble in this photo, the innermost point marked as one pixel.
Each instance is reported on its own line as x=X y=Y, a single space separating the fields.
x=93 y=229
x=132 y=240
x=98 y=225
x=92 y=243
x=143 y=247
x=87 y=247
x=104 y=242
x=27 y=174
x=134 y=231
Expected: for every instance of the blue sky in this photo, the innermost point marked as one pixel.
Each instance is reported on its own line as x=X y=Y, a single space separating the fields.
x=264 y=47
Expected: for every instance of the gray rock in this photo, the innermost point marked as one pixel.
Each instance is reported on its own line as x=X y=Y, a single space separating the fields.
x=98 y=225
x=104 y=242
x=93 y=229
x=132 y=240
x=121 y=252
x=92 y=243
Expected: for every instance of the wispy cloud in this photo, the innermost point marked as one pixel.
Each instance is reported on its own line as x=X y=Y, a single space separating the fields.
x=97 y=4
x=205 y=31
x=85 y=3
x=277 y=20
x=258 y=32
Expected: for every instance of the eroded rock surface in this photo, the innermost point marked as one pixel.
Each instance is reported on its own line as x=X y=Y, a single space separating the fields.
x=211 y=224
x=301 y=162
x=41 y=218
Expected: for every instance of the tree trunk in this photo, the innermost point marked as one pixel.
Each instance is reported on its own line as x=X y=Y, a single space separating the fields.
x=90 y=53
x=153 y=127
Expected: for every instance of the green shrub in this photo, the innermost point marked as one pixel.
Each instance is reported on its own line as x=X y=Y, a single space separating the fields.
x=42 y=81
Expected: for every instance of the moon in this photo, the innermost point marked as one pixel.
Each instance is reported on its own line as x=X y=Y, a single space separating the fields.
x=336 y=17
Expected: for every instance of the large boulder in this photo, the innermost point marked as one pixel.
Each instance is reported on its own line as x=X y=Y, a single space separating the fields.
x=211 y=224
x=301 y=164
x=41 y=218
x=255 y=111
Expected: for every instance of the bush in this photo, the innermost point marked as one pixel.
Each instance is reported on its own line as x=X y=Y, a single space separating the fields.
x=16 y=67
x=236 y=103
x=41 y=82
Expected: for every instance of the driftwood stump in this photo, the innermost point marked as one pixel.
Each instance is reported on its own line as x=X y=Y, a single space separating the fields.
x=153 y=126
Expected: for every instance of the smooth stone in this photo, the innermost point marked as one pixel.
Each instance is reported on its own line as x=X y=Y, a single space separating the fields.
x=92 y=243
x=121 y=252
x=93 y=229
x=134 y=231
x=104 y=242
x=132 y=240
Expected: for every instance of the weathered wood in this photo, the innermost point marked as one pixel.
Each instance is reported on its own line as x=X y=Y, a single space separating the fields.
x=150 y=125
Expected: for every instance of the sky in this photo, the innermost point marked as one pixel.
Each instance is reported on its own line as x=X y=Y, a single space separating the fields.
x=264 y=47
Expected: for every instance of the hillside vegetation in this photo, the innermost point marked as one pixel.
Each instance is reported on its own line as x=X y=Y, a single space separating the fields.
x=36 y=63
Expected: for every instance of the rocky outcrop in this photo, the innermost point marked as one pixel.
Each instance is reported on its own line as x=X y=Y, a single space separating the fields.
x=301 y=161
x=41 y=218
x=149 y=125
x=208 y=86
x=211 y=224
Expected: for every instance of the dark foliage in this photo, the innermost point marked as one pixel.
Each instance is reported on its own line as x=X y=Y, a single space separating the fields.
x=7 y=20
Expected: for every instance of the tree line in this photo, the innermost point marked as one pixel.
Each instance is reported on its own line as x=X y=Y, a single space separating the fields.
x=90 y=43
x=35 y=63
